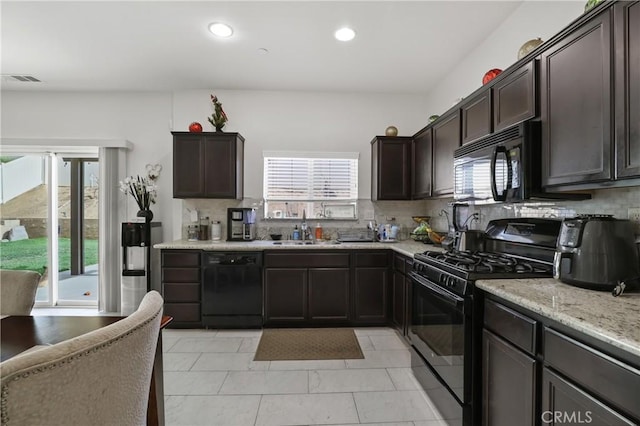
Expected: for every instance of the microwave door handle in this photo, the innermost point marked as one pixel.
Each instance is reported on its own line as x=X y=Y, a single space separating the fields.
x=494 y=185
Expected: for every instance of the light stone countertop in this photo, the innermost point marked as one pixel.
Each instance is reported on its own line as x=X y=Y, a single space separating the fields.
x=407 y=248
x=614 y=320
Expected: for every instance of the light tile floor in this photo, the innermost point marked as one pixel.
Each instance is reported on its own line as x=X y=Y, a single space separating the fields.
x=210 y=378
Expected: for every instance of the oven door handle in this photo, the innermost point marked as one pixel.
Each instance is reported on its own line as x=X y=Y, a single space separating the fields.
x=442 y=294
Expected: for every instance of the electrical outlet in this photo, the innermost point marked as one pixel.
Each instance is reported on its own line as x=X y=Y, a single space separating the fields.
x=634 y=216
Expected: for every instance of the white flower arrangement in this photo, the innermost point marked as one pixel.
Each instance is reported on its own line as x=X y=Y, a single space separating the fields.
x=143 y=189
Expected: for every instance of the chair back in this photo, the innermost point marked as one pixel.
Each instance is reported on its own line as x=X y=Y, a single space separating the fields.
x=17 y=291
x=98 y=378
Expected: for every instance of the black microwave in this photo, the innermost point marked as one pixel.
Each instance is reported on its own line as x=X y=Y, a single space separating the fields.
x=503 y=167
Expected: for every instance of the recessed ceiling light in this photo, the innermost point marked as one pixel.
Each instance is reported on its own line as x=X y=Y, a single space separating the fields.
x=221 y=30
x=345 y=34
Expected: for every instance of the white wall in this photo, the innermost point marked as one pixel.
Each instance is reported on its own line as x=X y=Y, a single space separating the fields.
x=142 y=118
x=532 y=19
x=303 y=121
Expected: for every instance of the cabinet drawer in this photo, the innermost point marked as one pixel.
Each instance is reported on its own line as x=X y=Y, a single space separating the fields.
x=610 y=379
x=181 y=258
x=306 y=260
x=377 y=260
x=513 y=326
x=183 y=312
x=182 y=292
x=181 y=275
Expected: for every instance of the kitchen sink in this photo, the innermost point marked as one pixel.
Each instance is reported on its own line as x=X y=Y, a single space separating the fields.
x=303 y=243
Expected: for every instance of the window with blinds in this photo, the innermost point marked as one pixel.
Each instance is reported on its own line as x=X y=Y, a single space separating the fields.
x=322 y=185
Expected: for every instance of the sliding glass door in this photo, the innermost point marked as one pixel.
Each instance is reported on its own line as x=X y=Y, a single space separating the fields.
x=49 y=218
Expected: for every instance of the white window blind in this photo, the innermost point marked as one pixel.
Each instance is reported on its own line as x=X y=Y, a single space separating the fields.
x=310 y=179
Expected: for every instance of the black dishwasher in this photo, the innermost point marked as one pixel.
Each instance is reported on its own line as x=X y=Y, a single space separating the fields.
x=232 y=289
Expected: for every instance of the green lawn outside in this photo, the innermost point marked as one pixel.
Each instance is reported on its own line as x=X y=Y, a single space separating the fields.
x=31 y=254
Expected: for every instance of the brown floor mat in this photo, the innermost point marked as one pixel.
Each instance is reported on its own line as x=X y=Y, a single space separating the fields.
x=279 y=344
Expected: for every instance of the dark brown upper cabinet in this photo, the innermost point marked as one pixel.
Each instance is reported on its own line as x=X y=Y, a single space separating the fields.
x=421 y=152
x=514 y=97
x=446 y=138
x=391 y=168
x=476 y=116
x=208 y=165
x=576 y=105
x=627 y=87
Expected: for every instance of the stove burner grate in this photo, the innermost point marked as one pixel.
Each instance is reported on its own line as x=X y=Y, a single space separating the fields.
x=486 y=262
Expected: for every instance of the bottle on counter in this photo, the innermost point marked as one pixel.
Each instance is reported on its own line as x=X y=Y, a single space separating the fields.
x=296 y=233
x=204 y=229
x=318 y=231
x=216 y=230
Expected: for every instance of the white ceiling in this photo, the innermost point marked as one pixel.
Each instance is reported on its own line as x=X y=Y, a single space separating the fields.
x=401 y=46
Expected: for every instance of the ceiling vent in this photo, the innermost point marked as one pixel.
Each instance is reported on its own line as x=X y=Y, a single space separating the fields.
x=21 y=78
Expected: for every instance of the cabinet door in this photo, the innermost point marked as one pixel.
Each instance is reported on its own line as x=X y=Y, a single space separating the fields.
x=514 y=97
x=627 y=38
x=446 y=138
x=575 y=97
x=188 y=166
x=476 y=117
x=285 y=295
x=508 y=384
x=564 y=403
x=421 y=165
x=391 y=175
x=220 y=167
x=398 y=300
x=370 y=295
x=329 y=294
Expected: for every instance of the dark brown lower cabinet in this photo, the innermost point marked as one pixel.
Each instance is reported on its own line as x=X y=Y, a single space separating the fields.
x=398 y=300
x=400 y=285
x=329 y=294
x=563 y=403
x=509 y=383
x=285 y=295
x=306 y=288
x=534 y=374
x=370 y=286
x=370 y=295
x=181 y=287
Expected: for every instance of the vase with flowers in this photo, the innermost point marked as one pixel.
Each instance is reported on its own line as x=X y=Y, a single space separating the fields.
x=218 y=119
x=143 y=190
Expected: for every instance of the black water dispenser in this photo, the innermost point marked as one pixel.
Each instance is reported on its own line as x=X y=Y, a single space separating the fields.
x=140 y=263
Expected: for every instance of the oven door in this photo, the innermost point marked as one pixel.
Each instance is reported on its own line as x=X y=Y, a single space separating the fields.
x=440 y=330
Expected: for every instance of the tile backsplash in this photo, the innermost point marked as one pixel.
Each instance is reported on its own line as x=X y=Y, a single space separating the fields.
x=614 y=201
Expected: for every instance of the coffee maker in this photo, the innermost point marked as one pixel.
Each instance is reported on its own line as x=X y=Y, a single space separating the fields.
x=241 y=224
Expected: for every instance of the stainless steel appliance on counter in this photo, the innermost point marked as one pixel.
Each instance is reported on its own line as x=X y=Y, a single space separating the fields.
x=596 y=252
x=502 y=167
x=445 y=323
x=241 y=224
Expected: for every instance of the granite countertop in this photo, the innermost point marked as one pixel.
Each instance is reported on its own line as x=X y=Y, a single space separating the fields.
x=407 y=248
x=614 y=320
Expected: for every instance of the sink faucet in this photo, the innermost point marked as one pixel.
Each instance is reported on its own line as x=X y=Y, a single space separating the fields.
x=305 y=233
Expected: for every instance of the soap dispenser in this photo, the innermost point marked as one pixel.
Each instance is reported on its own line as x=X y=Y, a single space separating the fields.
x=296 y=233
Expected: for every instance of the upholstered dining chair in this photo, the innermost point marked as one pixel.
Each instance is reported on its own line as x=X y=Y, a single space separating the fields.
x=17 y=291
x=98 y=378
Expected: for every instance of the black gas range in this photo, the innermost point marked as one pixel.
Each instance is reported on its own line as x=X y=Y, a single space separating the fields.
x=445 y=323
